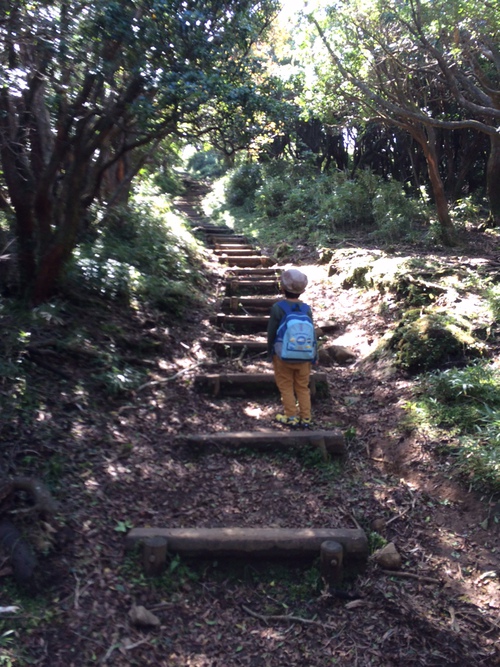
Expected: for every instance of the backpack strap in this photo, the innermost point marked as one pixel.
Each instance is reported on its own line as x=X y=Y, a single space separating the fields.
x=289 y=307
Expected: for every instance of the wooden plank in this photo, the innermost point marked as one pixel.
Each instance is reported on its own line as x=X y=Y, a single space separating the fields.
x=241 y=322
x=249 y=260
x=236 y=286
x=238 y=245
x=254 y=273
x=229 y=238
x=246 y=301
x=254 y=378
x=214 y=229
x=238 y=252
x=244 y=382
x=247 y=305
x=257 y=542
x=232 y=347
x=330 y=442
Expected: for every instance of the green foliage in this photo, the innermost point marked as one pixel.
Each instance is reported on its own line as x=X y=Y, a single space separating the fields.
x=395 y=213
x=425 y=341
x=150 y=71
x=119 y=380
x=375 y=541
x=144 y=253
x=468 y=211
x=242 y=185
x=206 y=165
x=297 y=201
x=465 y=402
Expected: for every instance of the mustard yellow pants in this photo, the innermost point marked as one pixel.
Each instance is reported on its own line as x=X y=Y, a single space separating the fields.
x=292 y=380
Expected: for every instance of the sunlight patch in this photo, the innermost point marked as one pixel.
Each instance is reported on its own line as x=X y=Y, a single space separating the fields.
x=253 y=411
x=116 y=469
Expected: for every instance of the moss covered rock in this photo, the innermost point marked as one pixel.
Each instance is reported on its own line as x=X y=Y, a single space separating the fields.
x=425 y=341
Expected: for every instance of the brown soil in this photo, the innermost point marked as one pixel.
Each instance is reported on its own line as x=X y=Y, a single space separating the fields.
x=114 y=463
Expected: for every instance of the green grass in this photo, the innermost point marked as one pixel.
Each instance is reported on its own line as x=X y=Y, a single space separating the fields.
x=291 y=200
x=462 y=405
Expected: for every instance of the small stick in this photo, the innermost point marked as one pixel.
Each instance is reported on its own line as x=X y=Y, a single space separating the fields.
x=410 y=575
x=291 y=618
x=154 y=383
x=396 y=517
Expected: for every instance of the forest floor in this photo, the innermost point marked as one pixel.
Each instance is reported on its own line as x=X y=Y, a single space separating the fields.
x=114 y=463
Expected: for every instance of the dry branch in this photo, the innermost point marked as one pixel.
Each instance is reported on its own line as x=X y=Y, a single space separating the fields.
x=410 y=575
x=43 y=499
x=292 y=619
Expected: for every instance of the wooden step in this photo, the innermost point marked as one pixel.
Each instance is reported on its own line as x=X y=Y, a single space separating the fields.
x=223 y=247
x=329 y=442
x=247 y=304
x=229 y=240
x=259 y=542
x=212 y=230
x=241 y=384
x=240 y=323
x=234 y=348
x=249 y=260
x=238 y=252
x=258 y=273
x=235 y=287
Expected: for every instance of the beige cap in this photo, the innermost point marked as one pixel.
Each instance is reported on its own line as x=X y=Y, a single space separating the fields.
x=294 y=281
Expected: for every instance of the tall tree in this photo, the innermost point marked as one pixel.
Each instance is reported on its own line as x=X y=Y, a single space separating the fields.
x=84 y=84
x=418 y=65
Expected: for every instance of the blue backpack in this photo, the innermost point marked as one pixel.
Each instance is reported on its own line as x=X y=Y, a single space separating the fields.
x=295 y=338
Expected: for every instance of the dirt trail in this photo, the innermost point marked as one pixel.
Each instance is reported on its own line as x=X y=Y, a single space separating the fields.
x=129 y=468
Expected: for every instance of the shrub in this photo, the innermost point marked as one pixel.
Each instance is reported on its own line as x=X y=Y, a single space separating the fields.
x=425 y=341
x=466 y=401
x=394 y=213
x=143 y=252
x=242 y=185
x=206 y=165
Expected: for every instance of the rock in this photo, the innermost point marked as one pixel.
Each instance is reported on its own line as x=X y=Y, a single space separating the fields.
x=337 y=353
x=143 y=618
x=325 y=255
x=388 y=557
x=378 y=524
x=326 y=327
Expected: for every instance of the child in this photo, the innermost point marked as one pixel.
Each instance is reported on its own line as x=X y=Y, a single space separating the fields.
x=292 y=377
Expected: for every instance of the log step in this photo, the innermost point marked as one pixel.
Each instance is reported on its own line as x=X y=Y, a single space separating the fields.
x=241 y=287
x=233 y=246
x=249 y=260
x=238 y=252
x=241 y=304
x=230 y=238
x=212 y=230
x=254 y=273
x=329 y=442
x=238 y=384
x=240 y=323
x=231 y=348
x=258 y=542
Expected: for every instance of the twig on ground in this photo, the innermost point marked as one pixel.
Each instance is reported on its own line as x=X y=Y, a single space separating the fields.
x=154 y=383
x=129 y=647
x=291 y=619
x=397 y=516
x=410 y=575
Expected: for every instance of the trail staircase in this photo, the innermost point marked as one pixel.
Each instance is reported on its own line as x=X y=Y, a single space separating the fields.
x=248 y=287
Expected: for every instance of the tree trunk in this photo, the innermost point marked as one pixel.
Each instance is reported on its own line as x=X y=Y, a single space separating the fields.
x=493 y=181
x=60 y=249
x=427 y=139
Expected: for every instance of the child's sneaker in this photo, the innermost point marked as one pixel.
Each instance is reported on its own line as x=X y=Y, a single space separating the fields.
x=306 y=422
x=292 y=422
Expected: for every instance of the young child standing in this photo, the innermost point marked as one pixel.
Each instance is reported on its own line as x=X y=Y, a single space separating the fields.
x=292 y=377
